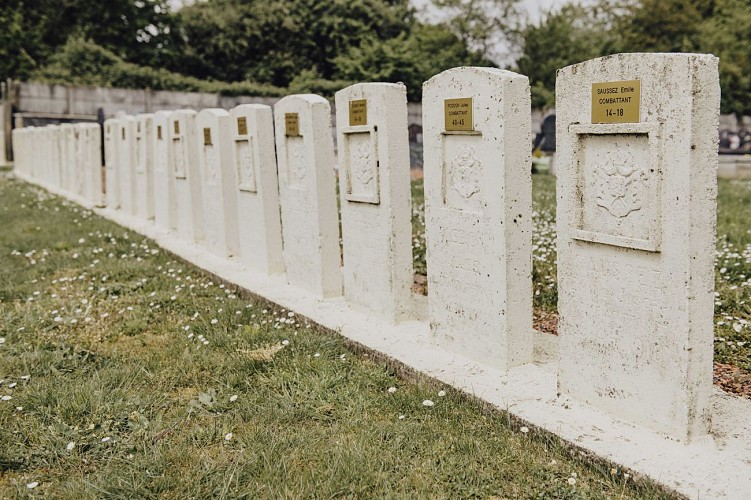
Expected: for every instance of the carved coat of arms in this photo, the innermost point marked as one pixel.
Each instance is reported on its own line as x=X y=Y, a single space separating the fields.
x=465 y=174
x=361 y=163
x=247 y=175
x=619 y=189
x=297 y=163
x=212 y=165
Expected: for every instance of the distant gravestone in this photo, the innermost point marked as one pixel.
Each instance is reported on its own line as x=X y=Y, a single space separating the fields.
x=637 y=160
x=18 y=141
x=374 y=186
x=144 y=166
x=259 y=221
x=91 y=162
x=52 y=171
x=112 y=162
x=163 y=179
x=307 y=191
x=126 y=164
x=183 y=155
x=478 y=213
x=68 y=157
x=217 y=181
x=79 y=172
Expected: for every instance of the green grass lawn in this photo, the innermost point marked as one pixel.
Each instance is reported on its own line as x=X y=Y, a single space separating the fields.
x=127 y=373
x=733 y=264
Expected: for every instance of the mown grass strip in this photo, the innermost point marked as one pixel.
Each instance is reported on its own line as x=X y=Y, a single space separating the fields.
x=128 y=373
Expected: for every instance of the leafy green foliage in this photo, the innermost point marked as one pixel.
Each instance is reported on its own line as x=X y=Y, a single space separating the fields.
x=727 y=34
x=576 y=33
x=570 y=35
x=139 y=31
x=86 y=63
x=412 y=59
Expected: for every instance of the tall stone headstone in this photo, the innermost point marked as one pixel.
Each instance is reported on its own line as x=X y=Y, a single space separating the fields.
x=478 y=213
x=144 y=166
x=184 y=168
x=374 y=186
x=68 y=156
x=163 y=178
x=18 y=140
x=254 y=160
x=56 y=161
x=112 y=163
x=78 y=170
x=218 y=182
x=52 y=167
x=126 y=163
x=637 y=159
x=90 y=139
x=307 y=191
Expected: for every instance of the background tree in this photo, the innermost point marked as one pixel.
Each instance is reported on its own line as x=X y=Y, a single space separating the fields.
x=272 y=41
x=489 y=27
x=567 y=36
x=139 y=31
x=727 y=34
x=412 y=59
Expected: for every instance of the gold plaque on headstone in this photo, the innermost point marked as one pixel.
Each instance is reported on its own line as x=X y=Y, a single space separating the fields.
x=358 y=112
x=458 y=114
x=123 y=132
x=242 y=126
x=177 y=127
x=291 y=124
x=616 y=102
x=159 y=132
x=207 y=137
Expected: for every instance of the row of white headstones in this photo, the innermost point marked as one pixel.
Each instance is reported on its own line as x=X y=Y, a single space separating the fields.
x=636 y=202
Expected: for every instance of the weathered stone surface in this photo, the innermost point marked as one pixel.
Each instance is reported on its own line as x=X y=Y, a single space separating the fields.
x=144 y=166
x=183 y=155
x=163 y=180
x=126 y=163
x=217 y=180
x=253 y=163
x=636 y=241
x=478 y=211
x=90 y=162
x=68 y=157
x=307 y=191
x=112 y=162
x=374 y=186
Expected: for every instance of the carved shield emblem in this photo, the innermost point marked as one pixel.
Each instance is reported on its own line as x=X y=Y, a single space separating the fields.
x=620 y=189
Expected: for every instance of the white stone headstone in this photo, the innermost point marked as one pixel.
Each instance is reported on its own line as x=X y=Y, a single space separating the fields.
x=144 y=166
x=18 y=140
x=478 y=213
x=78 y=172
x=50 y=174
x=374 y=186
x=254 y=160
x=164 y=179
x=68 y=156
x=90 y=140
x=218 y=182
x=307 y=191
x=637 y=159
x=183 y=156
x=126 y=163
x=112 y=162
